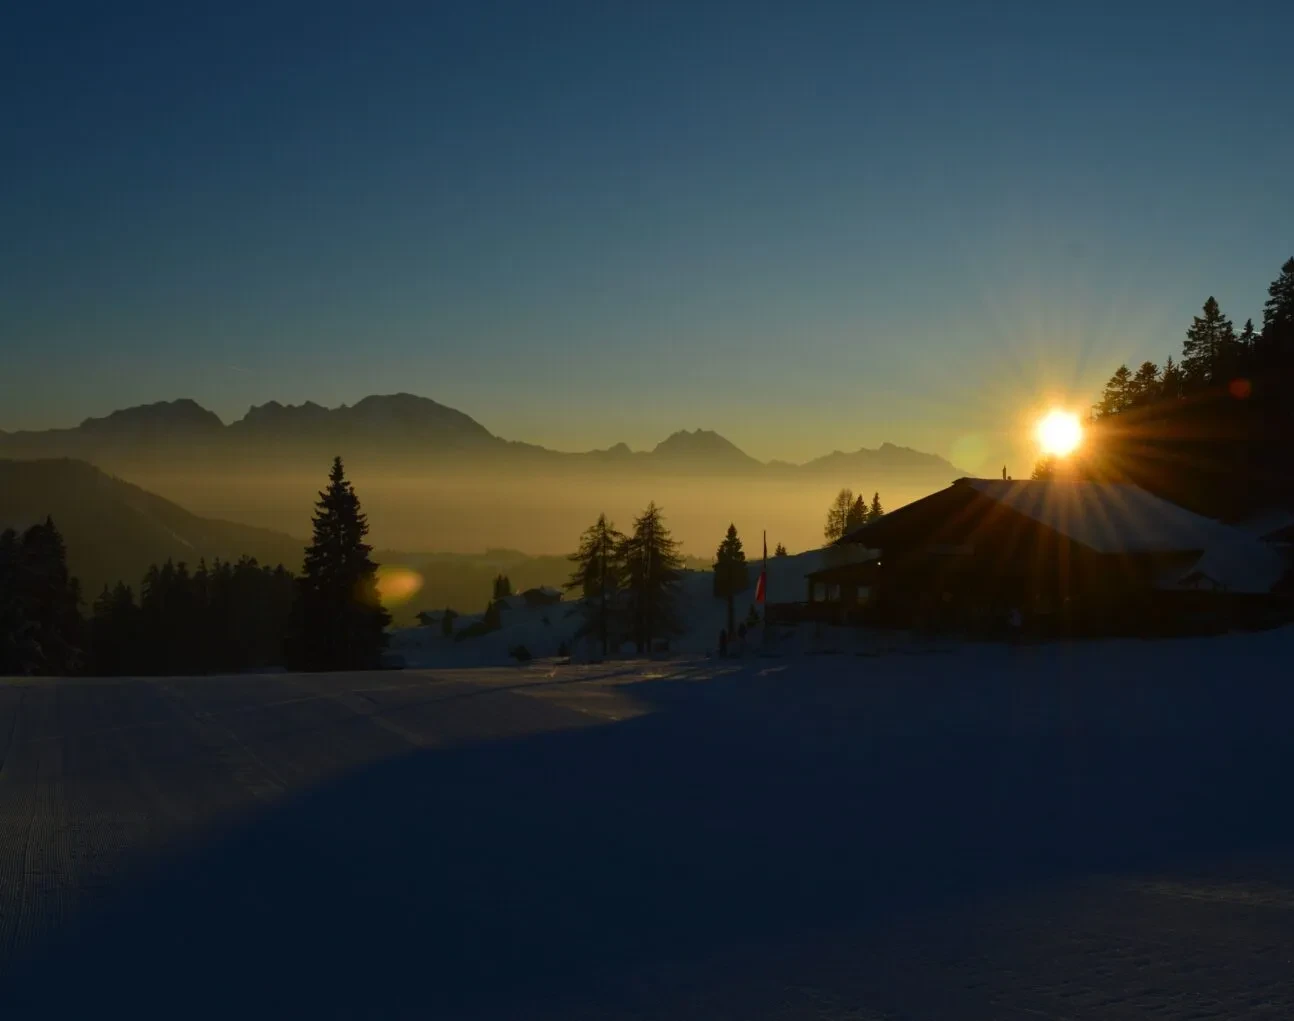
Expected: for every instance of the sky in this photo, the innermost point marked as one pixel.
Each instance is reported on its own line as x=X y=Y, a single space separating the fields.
x=807 y=226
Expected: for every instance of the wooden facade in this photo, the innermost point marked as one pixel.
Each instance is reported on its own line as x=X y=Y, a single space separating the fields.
x=962 y=560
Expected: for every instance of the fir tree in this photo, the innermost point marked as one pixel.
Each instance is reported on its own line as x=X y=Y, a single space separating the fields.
x=502 y=587
x=51 y=599
x=1248 y=336
x=857 y=516
x=340 y=622
x=18 y=652
x=838 y=515
x=116 y=637
x=597 y=578
x=730 y=573
x=1145 y=386
x=1117 y=395
x=447 y=623
x=652 y=570
x=1209 y=346
x=875 y=512
x=780 y=551
x=1170 y=381
x=1276 y=343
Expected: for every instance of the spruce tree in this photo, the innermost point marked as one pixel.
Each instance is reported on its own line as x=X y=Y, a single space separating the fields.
x=502 y=586
x=1210 y=344
x=115 y=632
x=17 y=643
x=1170 y=381
x=730 y=573
x=838 y=515
x=875 y=512
x=780 y=551
x=597 y=578
x=340 y=621
x=1276 y=344
x=1117 y=395
x=1145 y=385
x=51 y=599
x=857 y=516
x=652 y=570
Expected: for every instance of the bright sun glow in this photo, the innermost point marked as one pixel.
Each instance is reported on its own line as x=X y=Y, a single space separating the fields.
x=1059 y=433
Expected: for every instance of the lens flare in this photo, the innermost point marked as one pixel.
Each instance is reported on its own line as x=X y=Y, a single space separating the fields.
x=397 y=584
x=1059 y=433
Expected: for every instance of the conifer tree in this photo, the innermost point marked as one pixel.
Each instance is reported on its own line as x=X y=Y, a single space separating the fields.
x=1117 y=395
x=502 y=587
x=1276 y=343
x=730 y=573
x=875 y=512
x=780 y=551
x=597 y=578
x=115 y=632
x=1210 y=344
x=652 y=569
x=447 y=623
x=857 y=516
x=1170 y=382
x=1145 y=386
x=17 y=643
x=51 y=598
x=340 y=621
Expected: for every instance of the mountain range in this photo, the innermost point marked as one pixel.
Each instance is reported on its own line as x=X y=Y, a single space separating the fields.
x=409 y=430
x=114 y=530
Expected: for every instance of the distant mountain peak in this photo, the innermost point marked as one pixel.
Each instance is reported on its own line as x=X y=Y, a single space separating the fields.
x=700 y=441
x=183 y=414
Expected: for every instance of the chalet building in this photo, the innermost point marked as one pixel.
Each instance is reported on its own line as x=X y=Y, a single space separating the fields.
x=1059 y=555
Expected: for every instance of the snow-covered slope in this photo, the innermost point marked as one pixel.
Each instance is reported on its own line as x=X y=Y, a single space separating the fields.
x=543 y=630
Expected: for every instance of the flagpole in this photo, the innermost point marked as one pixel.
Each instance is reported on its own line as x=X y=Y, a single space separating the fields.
x=764 y=638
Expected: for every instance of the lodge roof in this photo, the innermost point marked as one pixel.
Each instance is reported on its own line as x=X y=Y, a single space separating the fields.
x=1105 y=517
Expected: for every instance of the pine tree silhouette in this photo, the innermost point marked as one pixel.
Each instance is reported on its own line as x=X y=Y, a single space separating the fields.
x=652 y=569
x=780 y=551
x=597 y=578
x=730 y=573
x=50 y=598
x=1209 y=346
x=447 y=623
x=340 y=622
x=875 y=512
x=857 y=516
x=1170 y=381
x=1145 y=386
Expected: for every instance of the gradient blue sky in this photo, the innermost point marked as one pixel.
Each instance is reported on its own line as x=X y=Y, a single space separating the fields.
x=806 y=226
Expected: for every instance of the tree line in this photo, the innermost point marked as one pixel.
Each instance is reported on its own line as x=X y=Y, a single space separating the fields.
x=223 y=618
x=1212 y=430
x=627 y=585
x=848 y=513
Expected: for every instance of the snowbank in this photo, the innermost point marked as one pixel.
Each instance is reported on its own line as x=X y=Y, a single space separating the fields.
x=544 y=629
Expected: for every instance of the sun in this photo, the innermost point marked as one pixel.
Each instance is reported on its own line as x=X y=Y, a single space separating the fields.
x=1059 y=433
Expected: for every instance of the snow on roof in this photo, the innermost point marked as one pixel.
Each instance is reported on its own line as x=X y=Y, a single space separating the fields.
x=1243 y=564
x=1106 y=517
x=1268 y=523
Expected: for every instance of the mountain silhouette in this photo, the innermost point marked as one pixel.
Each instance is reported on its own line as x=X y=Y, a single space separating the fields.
x=114 y=529
x=405 y=429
